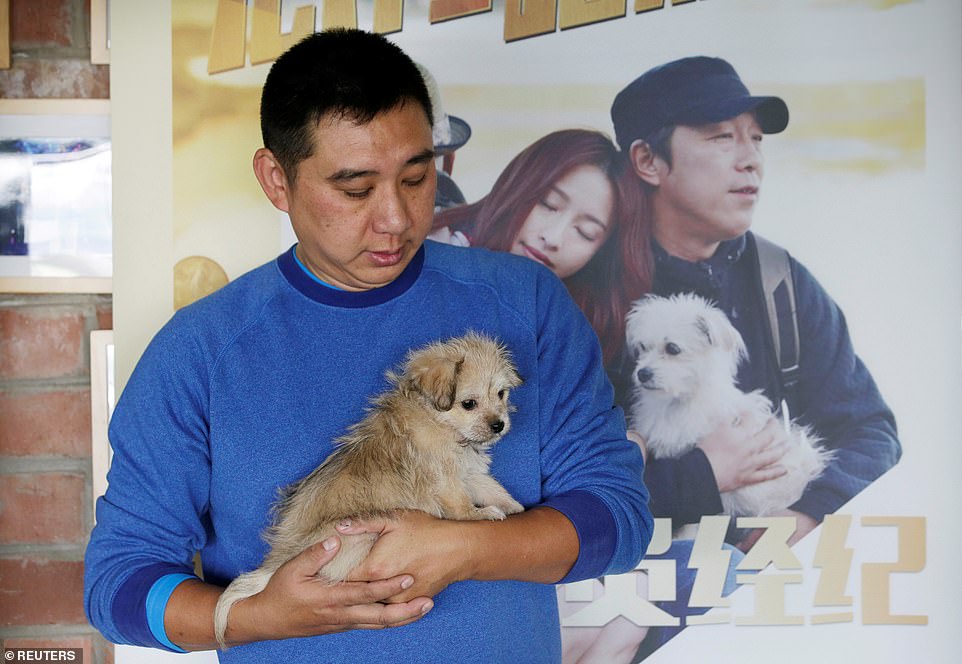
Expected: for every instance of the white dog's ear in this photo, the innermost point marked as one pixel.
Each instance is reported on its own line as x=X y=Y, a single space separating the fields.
x=436 y=378
x=721 y=333
x=634 y=320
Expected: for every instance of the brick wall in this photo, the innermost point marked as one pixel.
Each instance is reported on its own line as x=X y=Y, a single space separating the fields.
x=50 y=52
x=46 y=509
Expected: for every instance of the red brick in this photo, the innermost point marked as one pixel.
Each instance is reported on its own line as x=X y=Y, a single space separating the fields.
x=105 y=317
x=84 y=642
x=41 y=343
x=104 y=649
x=55 y=79
x=45 y=423
x=43 y=23
x=41 y=592
x=42 y=508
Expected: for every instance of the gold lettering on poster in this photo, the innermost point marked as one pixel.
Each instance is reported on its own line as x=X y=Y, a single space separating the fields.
x=648 y=5
x=835 y=560
x=769 y=599
x=522 y=19
x=621 y=595
x=660 y=537
x=388 y=16
x=772 y=547
x=876 y=580
x=528 y=18
x=572 y=13
x=711 y=560
x=339 y=14
x=443 y=10
x=769 y=557
x=227 y=40
x=267 y=42
x=661 y=577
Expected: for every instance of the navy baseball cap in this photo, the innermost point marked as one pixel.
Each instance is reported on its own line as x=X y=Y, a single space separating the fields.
x=692 y=91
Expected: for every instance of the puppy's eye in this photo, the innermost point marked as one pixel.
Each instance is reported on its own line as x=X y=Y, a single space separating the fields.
x=501 y=394
x=469 y=404
x=642 y=348
x=672 y=348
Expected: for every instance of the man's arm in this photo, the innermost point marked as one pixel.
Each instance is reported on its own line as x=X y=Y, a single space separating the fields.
x=839 y=399
x=539 y=545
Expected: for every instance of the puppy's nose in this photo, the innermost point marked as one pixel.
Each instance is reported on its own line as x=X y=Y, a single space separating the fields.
x=497 y=426
x=644 y=375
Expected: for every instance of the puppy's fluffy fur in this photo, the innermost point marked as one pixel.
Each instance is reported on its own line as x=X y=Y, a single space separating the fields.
x=422 y=446
x=687 y=354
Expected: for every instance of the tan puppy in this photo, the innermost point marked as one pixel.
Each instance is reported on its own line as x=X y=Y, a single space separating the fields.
x=422 y=446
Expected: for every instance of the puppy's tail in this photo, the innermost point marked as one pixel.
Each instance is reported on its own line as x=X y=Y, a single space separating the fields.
x=244 y=586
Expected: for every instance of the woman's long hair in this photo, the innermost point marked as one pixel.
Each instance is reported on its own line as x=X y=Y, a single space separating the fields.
x=619 y=272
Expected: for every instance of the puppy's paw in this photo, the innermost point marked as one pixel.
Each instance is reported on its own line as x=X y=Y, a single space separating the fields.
x=490 y=513
x=511 y=506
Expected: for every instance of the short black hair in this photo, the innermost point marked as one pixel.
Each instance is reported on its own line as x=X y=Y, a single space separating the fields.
x=349 y=74
x=659 y=142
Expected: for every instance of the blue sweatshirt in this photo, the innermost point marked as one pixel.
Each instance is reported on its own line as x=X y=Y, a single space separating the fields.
x=243 y=392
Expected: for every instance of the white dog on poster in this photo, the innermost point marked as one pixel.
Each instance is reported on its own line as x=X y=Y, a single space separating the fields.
x=686 y=357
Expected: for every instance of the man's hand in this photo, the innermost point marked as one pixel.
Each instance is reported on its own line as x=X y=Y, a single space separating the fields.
x=415 y=544
x=740 y=456
x=298 y=603
x=295 y=603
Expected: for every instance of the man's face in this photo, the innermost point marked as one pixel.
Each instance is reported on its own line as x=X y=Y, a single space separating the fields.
x=362 y=204
x=709 y=193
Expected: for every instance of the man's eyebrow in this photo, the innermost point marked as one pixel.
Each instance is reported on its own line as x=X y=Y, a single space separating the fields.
x=349 y=174
x=346 y=174
x=421 y=157
x=710 y=127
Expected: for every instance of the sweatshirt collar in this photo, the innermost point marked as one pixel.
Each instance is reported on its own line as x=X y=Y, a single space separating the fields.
x=318 y=291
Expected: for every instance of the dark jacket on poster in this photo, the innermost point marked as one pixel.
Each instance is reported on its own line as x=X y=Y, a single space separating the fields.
x=835 y=394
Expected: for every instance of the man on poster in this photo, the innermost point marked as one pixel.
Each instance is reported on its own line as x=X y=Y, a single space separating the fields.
x=243 y=392
x=693 y=133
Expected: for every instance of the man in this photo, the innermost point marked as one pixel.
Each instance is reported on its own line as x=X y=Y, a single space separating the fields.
x=242 y=393
x=693 y=134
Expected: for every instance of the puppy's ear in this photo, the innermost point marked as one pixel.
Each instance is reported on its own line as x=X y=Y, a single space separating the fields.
x=514 y=378
x=436 y=378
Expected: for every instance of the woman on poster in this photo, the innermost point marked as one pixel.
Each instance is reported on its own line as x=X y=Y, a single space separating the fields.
x=570 y=202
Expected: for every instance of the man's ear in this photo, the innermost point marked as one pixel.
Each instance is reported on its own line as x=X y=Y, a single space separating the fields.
x=643 y=162
x=272 y=178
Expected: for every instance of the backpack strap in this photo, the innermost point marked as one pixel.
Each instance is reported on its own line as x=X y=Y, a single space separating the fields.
x=778 y=290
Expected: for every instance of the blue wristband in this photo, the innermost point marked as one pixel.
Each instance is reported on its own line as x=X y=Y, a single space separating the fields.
x=157 y=600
